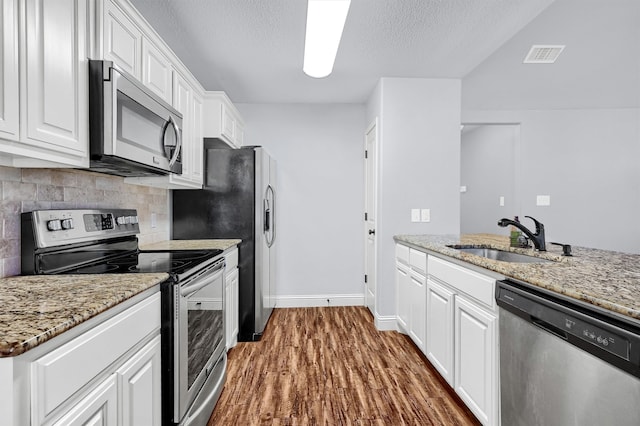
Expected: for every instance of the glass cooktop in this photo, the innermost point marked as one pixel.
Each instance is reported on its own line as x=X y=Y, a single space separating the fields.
x=175 y=262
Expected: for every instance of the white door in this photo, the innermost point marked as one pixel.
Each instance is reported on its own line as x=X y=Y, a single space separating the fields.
x=370 y=167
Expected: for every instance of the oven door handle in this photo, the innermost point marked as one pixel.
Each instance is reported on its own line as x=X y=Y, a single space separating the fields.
x=197 y=284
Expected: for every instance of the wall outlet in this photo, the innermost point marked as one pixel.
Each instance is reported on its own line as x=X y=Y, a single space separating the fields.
x=154 y=220
x=425 y=215
x=463 y=188
x=415 y=215
x=501 y=201
x=543 y=200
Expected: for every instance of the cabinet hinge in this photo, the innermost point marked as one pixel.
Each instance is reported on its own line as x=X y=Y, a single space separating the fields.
x=366 y=217
x=365 y=278
x=366 y=154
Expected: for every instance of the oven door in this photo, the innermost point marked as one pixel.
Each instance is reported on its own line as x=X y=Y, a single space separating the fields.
x=199 y=341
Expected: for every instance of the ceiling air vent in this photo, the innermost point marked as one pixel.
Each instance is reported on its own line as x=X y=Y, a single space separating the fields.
x=543 y=54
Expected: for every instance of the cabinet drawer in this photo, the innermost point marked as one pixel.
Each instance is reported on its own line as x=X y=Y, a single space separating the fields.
x=470 y=282
x=418 y=261
x=231 y=259
x=402 y=253
x=57 y=376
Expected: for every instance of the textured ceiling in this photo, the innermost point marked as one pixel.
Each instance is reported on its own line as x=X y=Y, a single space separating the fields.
x=253 y=49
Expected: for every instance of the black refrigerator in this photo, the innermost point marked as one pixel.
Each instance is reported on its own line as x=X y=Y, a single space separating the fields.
x=237 y=201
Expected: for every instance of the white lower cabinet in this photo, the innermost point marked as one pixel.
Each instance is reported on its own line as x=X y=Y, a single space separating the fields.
x=475 y=359
x=98 y=408
x=403 y=296
x=139 y=386
x=440 y=329
x=462 y=341
x=411 y=297
x=232 y=281
x=418 y=285
x=451 y=315
x=109 y=374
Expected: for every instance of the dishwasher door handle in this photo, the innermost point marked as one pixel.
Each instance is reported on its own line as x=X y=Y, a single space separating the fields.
x=549 y=328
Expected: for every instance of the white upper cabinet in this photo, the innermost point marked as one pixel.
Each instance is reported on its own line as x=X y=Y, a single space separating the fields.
x=197 y=150
x=156 y=71
x=9 y=78
x=222 y=120
x=122 y=40
x=43 y=83
x=56 y=75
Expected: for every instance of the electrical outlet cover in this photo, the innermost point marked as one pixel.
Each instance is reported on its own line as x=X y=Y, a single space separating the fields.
x=415 y=215
x=425 y=215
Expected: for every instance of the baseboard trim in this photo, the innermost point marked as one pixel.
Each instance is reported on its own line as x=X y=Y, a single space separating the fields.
x=386 y=323
x=318 y=300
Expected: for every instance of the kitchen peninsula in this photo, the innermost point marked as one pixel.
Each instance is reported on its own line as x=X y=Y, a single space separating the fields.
x=607 y=279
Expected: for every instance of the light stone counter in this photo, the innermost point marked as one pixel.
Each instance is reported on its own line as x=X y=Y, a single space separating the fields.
x=191 y=245
x=607 y=279
x=36 y=308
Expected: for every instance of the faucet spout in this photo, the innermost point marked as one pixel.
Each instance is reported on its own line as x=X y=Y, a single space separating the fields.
x=537 y=237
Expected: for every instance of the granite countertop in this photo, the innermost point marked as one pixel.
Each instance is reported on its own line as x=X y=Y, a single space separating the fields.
x=607 y=279
x=37 y=308
x=191 y=245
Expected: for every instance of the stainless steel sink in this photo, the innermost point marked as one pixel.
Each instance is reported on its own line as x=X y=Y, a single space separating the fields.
x=501 y=255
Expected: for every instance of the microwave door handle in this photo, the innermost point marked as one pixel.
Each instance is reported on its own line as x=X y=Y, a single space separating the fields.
x=176 y=129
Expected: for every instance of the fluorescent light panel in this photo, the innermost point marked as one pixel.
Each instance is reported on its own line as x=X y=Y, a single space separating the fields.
x=325 y=22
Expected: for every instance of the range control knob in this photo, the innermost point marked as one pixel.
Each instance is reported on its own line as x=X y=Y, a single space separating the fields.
x=134 y=219
x=67 y=223
x=54 y=225
x=121 y=220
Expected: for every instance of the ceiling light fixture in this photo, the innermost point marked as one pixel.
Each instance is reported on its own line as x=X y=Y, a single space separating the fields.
x=325 y=22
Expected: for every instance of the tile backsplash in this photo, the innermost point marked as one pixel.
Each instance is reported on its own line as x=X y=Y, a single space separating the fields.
x=23 y=190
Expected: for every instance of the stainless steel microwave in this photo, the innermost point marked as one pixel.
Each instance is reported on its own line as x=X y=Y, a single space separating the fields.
x=133 y=132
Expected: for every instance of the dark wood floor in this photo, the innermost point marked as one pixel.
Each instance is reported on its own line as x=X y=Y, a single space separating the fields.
x=330 y=366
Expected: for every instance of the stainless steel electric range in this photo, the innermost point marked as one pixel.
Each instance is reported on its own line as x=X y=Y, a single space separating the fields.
x=105 y=242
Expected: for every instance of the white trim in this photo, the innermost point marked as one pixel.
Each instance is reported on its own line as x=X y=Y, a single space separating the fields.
x=386 y=323
x=317 y=300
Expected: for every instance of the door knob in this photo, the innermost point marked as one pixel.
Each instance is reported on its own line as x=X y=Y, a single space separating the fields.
x=372 y=231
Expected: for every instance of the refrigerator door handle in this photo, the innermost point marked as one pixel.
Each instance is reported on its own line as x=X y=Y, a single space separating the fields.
x=269 y=213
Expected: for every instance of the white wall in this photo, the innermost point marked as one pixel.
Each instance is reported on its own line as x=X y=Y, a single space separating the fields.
x=587 y=161
x=419 y=166
x=579 y=119
x=319 y=151
x=489 y=158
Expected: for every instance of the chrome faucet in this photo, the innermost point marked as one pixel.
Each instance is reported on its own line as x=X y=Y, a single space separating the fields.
x=537 y=238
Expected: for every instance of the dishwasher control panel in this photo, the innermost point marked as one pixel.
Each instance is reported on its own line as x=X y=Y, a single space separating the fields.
x=569 y=324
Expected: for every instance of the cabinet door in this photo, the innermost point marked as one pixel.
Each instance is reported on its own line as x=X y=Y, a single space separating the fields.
x=56 y=75
x=239 y=131
x=403 y=297
x=440 y=329
x=197 y=152
x=99 y=408
x=183 y=101
x=9 y=78
x=228 y=125
x=139 y=385
x=475 y=359
x=122 y=40
x=418 y=301
x=157 y=72
x=231 y=298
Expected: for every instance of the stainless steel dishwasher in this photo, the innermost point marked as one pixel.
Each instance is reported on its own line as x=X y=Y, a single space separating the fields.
x=564 y=362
